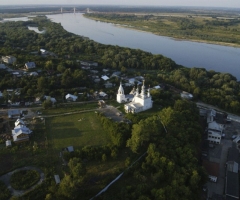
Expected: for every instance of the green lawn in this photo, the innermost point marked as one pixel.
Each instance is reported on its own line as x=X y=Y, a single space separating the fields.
x=77 y=130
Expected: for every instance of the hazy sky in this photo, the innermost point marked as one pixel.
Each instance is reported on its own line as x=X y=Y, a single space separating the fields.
x=206 y=3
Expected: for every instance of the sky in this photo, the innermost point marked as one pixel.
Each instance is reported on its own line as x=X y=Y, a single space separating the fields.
x=205 y=3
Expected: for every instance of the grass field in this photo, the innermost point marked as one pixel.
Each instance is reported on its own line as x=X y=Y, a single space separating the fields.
x=70 y=107
x=76 y=130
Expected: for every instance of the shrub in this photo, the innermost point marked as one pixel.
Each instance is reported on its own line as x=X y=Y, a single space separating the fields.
x=24 y=179
x=5 y=193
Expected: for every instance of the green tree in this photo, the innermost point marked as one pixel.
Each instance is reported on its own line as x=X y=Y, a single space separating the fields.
x=42 y=83
x=144 y=132
x=104 y=157
x=67 y=188
x=49 y=65
x=47 y=104
x=5 y=96
x=77 y=168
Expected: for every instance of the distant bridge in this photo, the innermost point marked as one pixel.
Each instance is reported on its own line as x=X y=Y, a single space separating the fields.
x=75 y=10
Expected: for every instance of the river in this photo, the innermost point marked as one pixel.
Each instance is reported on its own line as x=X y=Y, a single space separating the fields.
x=186 y=53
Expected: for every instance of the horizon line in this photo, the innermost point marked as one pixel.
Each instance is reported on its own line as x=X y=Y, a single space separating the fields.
x=153 y=5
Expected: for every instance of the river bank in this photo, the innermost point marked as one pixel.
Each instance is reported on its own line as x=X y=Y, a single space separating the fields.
x=174 y=37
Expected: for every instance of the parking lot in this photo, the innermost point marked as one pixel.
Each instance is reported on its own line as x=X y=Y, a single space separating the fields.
x=113 y=113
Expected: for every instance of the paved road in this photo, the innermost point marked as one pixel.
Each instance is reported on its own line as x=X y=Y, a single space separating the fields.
x=6 y=179
x=218 y=187
x=230 y=115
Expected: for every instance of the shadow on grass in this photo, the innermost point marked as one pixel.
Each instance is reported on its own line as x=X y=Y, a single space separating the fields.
x=59 y=125
x=66 y=133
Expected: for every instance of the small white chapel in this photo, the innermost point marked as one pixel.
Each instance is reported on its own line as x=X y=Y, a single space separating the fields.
x=138 y=102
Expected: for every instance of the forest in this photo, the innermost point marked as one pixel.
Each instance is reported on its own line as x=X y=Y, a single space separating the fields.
x=207 y=27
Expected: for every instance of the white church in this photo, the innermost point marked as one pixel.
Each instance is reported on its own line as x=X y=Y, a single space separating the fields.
x=138 y=102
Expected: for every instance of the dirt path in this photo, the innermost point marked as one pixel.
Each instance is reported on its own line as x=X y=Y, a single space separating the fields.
x=6 y=179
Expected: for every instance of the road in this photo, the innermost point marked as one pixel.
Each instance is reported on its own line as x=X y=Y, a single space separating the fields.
x=230 y=115
x=6 y=179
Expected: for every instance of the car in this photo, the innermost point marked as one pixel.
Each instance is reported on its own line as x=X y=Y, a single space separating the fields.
x=234 y=136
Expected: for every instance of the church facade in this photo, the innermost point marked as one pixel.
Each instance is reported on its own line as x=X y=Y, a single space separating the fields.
x=137 y=102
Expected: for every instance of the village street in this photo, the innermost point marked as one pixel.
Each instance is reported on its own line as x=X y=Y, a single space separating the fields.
x=230 y=115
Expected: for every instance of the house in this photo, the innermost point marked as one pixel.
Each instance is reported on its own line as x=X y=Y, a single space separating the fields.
x=70 y=97
x=108 y=85
x=131 y=81
x=211 y=114
x=86 y=67
x=17 y=91
x=232 y=168
x=70 y=149
x=214 y=137
x=53 y=100
x=2 y=66
x=97 y=80
x=157 y=87
x=21 y=133
x=105 y=70
x=30 y=65
x=19 y=122
x=128 y=84
x=57 y=179
x=94 y=71
x=215 y=132
x=8 y=143
x=116 y=74
x=16 y=74
x=9 y=59
x=38 y=100
x=43 y=52
x=101 y=104
x=186 y=95
x=215 y=126
x=14 y=103
x=103 y=95
x=89 y=63
x=14 y=113
x=140 y=102
x=105 y=78
x=33 y=74
x=139 y=78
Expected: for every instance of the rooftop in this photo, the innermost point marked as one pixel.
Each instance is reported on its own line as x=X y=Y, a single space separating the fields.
x=233 y=155
x=232 y=185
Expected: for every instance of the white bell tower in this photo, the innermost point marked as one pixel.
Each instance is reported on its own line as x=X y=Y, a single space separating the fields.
x=121 y=96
